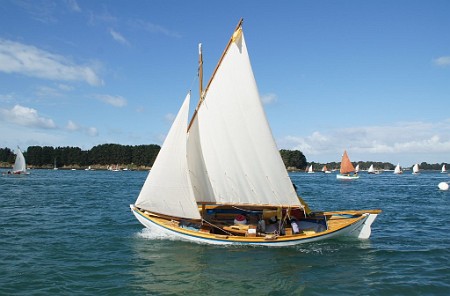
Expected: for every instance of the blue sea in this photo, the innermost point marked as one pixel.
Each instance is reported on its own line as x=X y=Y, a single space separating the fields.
x=72 y=233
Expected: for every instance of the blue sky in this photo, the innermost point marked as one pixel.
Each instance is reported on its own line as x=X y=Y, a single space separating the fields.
x=372 y=77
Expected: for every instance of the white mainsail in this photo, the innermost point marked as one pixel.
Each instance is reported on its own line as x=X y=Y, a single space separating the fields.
x=415 y=169
x=371 y=169
x=443 y=170
x=357 y=168
x=238 y=153
x=397 y=169
x=167 y=189
x=20 y=165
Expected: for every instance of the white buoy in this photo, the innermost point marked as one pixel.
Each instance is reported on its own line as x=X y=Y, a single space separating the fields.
x=443 y=186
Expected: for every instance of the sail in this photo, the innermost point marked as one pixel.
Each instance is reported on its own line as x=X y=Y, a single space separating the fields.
x=371 y=169
x=240 y=162
x=357 y=168
x=324 y=168
x=415 y=168
x=20 y=165
x=397 y=169
x=167 y=189
x=346 y=164
x=443 y=170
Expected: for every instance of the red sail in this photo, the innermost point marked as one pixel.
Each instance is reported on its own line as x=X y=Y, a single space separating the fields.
x=346 y=164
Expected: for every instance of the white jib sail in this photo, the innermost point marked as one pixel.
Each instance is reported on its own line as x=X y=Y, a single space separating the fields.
x=241 y=160
x=167 y=189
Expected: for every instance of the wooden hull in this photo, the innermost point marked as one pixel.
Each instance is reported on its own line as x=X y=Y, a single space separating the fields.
x=350 y=223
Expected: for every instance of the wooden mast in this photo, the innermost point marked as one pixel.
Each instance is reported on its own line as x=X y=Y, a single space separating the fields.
x=202 y=94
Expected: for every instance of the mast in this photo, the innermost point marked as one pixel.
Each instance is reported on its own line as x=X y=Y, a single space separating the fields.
x=200 y=70
x=203 y=94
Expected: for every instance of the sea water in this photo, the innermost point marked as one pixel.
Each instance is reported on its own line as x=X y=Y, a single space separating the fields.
x=68 y=232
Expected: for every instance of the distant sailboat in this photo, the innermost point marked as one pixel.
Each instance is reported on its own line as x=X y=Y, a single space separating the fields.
x=415 y=169
x=398 y=169
x=54 y=165
x=346 y=169
x=371 y=170
x=325 y=170
x=444 y=169
x=20 y=165
x=357 y=168
x=310 y=169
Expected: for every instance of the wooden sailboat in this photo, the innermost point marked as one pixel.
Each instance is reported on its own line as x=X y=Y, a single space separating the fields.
x=347 y=171
x=245 y=196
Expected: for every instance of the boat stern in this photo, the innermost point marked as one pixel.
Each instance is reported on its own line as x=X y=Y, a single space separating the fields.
x=365 y=230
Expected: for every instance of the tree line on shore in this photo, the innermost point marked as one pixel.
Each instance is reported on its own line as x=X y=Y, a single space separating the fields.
x=105 y=154
x=145 y=155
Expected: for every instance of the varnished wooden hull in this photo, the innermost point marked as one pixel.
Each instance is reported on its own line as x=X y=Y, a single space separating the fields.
x=350 y=223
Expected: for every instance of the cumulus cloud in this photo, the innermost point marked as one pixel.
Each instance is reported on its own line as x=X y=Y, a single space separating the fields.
x=73 y=127
x=25 y=116
x=118 y=37
x=31 y=61
x=443 y=61
x=116 y=101
x=405 y=140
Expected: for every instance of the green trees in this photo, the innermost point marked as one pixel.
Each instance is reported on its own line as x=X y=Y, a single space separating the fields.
x=293 y=159
x=6 y=155
x=105 y=154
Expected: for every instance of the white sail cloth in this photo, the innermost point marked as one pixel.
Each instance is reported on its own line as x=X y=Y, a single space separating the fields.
x=167 y=189
x=241 y=163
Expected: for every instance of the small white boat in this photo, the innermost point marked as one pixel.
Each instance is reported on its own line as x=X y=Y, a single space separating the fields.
x=310 y=169
x=325 y=170
x=416 y=169
x=20 y=166
x=444 y=169
x=398 y=170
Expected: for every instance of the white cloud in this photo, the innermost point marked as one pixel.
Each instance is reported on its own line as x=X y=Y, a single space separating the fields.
x=73 y=127
x=153 y=28
x=26 y=117
x=118 y=37
x=443 y=61
x=116 y=101
x=269 y=98
x=31 y=61
x=407 y=140
x=73 y=5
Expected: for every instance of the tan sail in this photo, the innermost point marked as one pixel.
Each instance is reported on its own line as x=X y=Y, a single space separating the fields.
x=346 y=165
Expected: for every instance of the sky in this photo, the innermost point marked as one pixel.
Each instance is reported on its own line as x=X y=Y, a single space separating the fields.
x=369 y=77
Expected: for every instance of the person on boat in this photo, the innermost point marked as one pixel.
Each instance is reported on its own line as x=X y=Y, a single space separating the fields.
x=294 y=225
x=274 y=225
